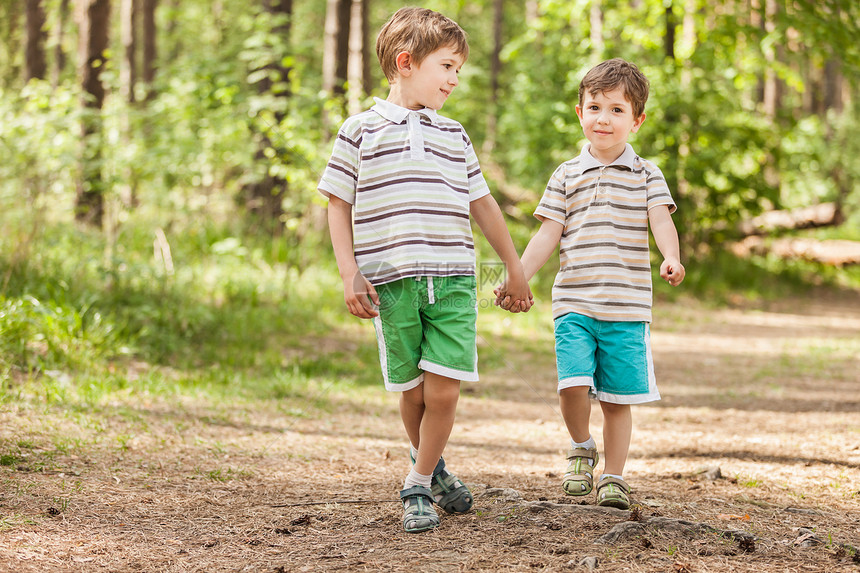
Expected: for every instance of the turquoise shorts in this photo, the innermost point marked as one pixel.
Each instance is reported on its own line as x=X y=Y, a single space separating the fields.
x=612 y=358
x=427 y=324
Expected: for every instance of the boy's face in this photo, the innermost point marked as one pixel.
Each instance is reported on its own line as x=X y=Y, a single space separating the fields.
x=429 y=83
x=607 y=120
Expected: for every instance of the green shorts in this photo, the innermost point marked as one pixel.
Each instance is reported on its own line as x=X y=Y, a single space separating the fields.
x=613 y=358
x=427 y=324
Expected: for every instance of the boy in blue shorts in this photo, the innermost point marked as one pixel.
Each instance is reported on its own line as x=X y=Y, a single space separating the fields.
x=597 y=209
x=402 y=183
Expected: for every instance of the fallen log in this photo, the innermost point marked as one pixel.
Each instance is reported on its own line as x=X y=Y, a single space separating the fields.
x=814 y=216
x=838 y=253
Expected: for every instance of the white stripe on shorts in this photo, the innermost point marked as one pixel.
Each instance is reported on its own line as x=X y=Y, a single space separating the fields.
x=383 y=362
x=461 y=375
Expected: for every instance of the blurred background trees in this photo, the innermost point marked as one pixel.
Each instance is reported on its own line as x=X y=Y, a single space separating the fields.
x=225 y=110
x=158 y=198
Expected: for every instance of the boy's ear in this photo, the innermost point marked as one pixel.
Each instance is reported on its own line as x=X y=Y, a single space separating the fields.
x=638 y=123
x=404 y=63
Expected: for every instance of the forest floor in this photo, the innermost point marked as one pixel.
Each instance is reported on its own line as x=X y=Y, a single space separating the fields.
x=769 y=396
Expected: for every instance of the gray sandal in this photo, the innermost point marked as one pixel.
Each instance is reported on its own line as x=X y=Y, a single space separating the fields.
x=579 y=478
x=449 y=492
x=418 y=512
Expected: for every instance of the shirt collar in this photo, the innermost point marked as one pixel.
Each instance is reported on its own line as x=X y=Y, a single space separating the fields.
x=396 y=114
x=626 y=159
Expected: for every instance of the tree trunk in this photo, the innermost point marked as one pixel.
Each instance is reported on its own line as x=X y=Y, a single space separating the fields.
x=35 y=66
x=833 y=86
x=129 y=10
x=596 y=34
x=358 y=68
x=669 y=39
x=495 y=71
x=264 y=198
x=128 y=30
x=772 y=92
x=150 y=52
x=336 y=49
x=59 y=52
x=93 y=42
x=532 y=11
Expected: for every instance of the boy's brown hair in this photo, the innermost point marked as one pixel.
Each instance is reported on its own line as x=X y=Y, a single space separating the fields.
x=617 y=73
x=420 y=32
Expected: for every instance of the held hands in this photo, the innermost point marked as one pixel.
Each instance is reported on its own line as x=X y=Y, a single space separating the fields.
x=360 y=296
x=672 y=271
x=514 y=295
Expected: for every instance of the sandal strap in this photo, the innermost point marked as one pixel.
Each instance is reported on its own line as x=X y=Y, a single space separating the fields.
x=440 y=465
x=582 y=463
x=417 y=491
x=622 y=485
x=583 y=453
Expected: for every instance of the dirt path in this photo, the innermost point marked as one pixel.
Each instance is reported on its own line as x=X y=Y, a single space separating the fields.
x=771 y=398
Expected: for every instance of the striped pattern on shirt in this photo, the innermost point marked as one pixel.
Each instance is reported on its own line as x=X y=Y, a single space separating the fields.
x=410 y=177
x=605 y=269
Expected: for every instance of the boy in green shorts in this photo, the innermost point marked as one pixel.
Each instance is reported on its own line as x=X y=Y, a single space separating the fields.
x=597 y=209
x=402 y=183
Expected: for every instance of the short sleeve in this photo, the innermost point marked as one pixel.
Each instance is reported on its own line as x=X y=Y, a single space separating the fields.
x=657 y=189
x=477 y=184
x=553 y=204
x=340 y=177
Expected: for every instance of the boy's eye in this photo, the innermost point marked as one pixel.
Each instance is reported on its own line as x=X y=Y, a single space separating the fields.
x=617 y=110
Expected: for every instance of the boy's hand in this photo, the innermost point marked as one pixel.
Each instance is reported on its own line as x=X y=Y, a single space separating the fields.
x=672 y=271
x=358 y=294
x=511 y=296
x=501 y=293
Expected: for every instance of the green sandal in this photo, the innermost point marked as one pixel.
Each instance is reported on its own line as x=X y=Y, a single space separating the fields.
x=613 y=492
x=579 y=479
x=449 y=492
x=418 y=512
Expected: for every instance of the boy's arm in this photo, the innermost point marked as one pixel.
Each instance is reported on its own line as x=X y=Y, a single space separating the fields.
x=492 y=223
x=538 y=251
x=356 y=288
x=666 y=237
x=541 y=246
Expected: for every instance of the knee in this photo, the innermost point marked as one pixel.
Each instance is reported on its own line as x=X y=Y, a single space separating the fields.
x=442 y=396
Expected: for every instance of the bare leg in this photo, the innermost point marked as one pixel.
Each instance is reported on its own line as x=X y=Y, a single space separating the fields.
x=576 y=410
x=434 y=417
x=411 y=412
x=617 y=429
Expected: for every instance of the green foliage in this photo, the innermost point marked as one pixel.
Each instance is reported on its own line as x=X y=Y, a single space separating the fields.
x=705 y=128
x=222 y=299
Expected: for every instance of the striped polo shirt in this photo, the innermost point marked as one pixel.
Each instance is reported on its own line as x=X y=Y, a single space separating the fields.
x=605 y=269
x=410 y=177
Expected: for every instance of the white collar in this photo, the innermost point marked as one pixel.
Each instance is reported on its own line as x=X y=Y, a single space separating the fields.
x=588 y=161
x=397 y=114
